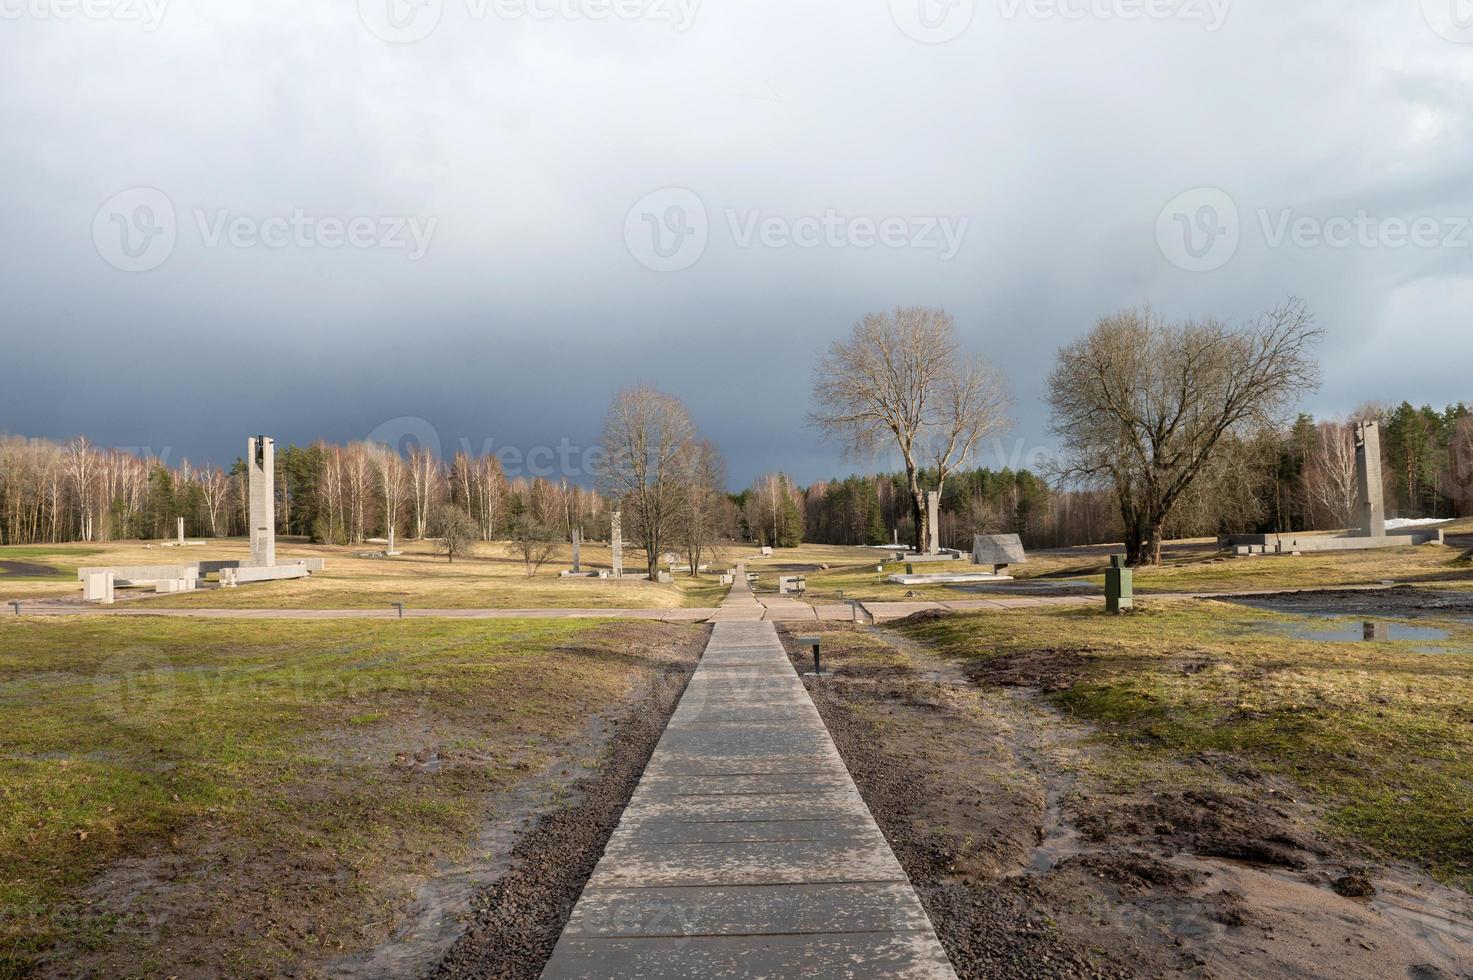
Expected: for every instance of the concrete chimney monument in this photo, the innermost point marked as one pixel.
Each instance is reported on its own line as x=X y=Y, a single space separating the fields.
x=261 y=465
x=1368 y=476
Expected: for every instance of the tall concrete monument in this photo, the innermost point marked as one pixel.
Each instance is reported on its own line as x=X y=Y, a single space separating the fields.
x=933 y=523
x=616 y=542
x=261 y=464
x=1368 y=477
x=577 y=543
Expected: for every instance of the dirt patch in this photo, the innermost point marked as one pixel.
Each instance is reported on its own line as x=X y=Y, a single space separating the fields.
x=30 y=569
x=514 y=924
x=1030 y=865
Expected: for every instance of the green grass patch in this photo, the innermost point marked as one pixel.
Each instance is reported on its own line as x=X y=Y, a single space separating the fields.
x=304 y=763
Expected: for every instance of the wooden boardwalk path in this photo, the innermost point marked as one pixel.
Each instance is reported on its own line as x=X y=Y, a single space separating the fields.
x=746 y=850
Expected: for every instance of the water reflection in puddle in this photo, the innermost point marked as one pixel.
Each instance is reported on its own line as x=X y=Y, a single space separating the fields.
x=1340 y=630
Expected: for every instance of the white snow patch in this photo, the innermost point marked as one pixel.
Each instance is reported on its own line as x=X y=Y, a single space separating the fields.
x=1397 y=522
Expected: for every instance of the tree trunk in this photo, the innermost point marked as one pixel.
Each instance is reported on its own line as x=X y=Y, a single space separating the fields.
x=918 y=511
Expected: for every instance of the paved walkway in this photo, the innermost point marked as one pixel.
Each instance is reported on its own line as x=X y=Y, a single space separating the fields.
x=740 y=604
x=746 y=850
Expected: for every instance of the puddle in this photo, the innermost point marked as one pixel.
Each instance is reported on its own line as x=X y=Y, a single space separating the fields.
x=1340 y=629
x=1030 y=585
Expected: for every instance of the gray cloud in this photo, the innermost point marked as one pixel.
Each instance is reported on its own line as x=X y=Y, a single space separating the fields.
x=527 y=139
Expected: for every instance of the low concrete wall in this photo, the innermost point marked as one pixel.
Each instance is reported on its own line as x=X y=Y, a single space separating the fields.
x=1283 y=544
x=130 y=574
x=261 y=573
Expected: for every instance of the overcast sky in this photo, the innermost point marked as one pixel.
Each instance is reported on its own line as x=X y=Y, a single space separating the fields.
x=477 y=219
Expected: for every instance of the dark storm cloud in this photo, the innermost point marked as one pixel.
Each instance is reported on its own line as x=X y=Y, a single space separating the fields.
x=223 y=219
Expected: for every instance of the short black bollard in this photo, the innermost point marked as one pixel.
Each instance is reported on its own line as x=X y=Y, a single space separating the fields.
x=400 y=606
x=16 y=604
x=812 y=641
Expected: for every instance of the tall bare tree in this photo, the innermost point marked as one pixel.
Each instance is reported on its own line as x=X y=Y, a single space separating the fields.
x=393 y=484
x=1141 y=404
x=1329 y=474
x=701 y=518
x=215 y=489
x=902 y=377
x=425 y=483
x=81 y=471
x=647 y=443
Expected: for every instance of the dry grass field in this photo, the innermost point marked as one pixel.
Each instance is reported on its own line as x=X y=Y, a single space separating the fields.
x=491 y=577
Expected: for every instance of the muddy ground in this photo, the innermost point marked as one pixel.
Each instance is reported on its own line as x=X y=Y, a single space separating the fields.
x=1031 y=866
x=1400 y=601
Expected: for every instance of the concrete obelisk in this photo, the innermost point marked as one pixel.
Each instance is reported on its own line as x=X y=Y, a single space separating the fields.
x=261 y=464
x=1368 y=477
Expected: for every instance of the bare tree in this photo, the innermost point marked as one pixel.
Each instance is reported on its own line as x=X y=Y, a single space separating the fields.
x=1460 y=462
x=81 y=471
x=534 y=540
x=702 y=515
x=215 y=488
x=452 y=530
x=393 y=485
x=1329 y=474
x=903 y=377
x=1141 y=405
x=425 y=483
x=647 y=442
